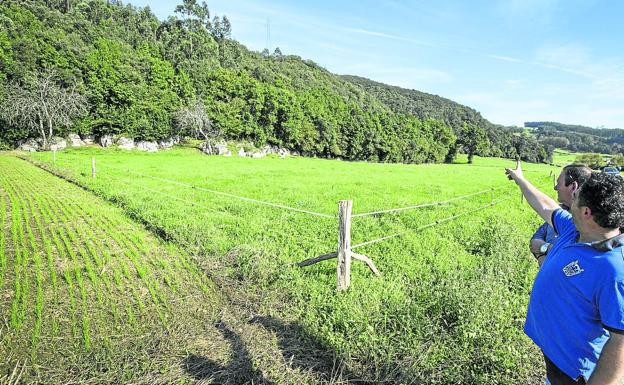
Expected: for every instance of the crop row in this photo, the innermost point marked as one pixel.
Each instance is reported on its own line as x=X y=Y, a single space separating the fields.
x=76 y=269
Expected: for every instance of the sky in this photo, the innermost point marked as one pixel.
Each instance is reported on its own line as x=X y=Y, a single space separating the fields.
x=512 y=60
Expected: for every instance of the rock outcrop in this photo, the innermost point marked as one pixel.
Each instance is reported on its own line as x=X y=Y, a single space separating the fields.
x=57 y=143
x=106 y=140
x=215 y=148
x=144 y=145
x=125 y=143
x=29 y=145
x=75 y=140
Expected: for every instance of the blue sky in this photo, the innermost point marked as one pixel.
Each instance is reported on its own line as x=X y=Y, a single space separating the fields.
x=512 y=60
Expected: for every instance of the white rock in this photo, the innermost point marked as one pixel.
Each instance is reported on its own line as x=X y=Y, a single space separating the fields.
x=257 y=154
x=268 y=149
x=215 y=148
x=29 y=145
x=88 y=139
x=74 y=140
x=166 y=144
x=242 y=152
x=144 y=145
x=125 y=143
x=57 y=143
x=106 y=140
x=222 y=148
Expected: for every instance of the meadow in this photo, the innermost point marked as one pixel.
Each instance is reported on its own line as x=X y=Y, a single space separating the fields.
x=448 y=306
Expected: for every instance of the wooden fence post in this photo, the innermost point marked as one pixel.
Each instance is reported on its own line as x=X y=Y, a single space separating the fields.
x=344 y=252
x=93 y=167
x=343 y=269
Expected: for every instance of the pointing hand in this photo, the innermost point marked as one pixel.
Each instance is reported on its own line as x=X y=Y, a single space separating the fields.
x=515 y=174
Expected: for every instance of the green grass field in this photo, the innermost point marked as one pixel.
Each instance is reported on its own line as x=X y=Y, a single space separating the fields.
x=84 y=292
x=450 y=302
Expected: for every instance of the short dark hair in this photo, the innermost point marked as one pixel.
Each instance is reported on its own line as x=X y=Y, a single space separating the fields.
x=578 y=173
x=604 y=195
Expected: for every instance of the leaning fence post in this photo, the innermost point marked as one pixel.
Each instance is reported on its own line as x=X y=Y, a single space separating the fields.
x=93 y=167
x=343 y=270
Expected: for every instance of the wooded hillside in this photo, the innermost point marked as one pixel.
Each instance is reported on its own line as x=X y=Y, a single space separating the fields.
x=129 y=73
x=578 y=138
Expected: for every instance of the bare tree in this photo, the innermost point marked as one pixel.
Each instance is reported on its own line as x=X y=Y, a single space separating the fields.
x=194 y=120
x=42 y=105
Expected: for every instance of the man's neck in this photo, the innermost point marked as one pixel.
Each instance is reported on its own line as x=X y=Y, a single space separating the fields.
x=597 y=234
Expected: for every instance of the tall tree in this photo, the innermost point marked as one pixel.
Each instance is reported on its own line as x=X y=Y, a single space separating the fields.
x=196 y=18
x=472 y=139
x=42 y=105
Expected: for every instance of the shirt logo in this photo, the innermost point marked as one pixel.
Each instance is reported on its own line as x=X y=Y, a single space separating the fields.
x=572 y=268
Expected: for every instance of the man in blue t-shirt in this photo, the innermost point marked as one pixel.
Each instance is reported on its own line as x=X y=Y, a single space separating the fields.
x=576 y=310
x=570 y=179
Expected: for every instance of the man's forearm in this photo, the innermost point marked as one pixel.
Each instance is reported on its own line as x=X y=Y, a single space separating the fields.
x=540 y=202
x=610 y=368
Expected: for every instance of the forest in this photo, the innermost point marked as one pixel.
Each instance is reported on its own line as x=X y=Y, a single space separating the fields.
x=576 y=138
x=96 y=68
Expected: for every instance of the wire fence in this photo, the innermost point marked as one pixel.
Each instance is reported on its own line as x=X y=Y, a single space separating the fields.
x=305 y=211
x=282 y=206
x=491 y=203
x=437 y=222
x=432 y=224
x=227 y=194
x=432 y=203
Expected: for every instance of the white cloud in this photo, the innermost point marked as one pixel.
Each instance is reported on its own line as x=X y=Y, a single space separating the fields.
x=505 y=58
x=388 y=36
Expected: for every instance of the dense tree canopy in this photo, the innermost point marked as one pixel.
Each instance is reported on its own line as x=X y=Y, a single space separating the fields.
x=577 y=138
x=140 y=75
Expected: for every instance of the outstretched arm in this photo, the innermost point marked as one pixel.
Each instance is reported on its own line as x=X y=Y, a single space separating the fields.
x=610 y=368
x=540 y=202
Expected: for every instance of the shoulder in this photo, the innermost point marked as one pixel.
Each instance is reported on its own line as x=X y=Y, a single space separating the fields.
x=562 y=221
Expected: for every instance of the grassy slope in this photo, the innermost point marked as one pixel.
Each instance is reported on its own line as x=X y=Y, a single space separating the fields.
x=450 y=303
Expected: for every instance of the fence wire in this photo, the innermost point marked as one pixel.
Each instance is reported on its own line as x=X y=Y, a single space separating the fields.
x=492 y=203
x=435 y=223
x=227 y=194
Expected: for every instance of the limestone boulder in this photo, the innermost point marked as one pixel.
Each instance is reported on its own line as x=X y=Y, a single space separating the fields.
x=210 y=147
x=241 y=152
x=74 y=140
x=106 y=140
x=166 y=144
x=57 y=143
x=125 y=143
x=29 y=145
x=147 y=146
